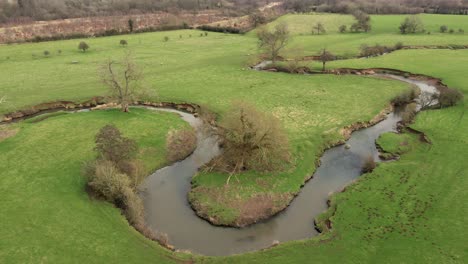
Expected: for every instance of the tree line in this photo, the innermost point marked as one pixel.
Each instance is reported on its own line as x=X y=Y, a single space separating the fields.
x=27 y=10
x=381 y=6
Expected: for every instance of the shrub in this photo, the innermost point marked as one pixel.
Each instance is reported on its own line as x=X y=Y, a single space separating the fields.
x=46 y=53
x=231 y=30
x=83 y=46
x=108 y=181
x=112 y=146
x=449 y=97
x=166 y=39
x=451 y=31
x=59 y=51
x=411 y=24
x=408 y=114
x=405 y=97
x=252 y=140
x=443 y=29
x=206 y=34
x=398 y=46
x=342 y=29
x=180 y=143
x=461 y=31
x=369 y=165
x=123 y=42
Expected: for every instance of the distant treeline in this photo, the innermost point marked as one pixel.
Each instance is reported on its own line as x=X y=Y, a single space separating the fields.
x=15 y=11
x=381 y=6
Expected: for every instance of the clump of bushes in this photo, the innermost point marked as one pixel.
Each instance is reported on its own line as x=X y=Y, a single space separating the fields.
x=180 y=144
x=342 y=29
x=408 y=115
x=449 y=97
x=115 y=174
x=405 y=97
x=411 y=25
x=376 y=50
x=231 y=30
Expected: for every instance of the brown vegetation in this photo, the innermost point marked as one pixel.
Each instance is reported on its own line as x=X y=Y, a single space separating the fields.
x=115 y=175
x=6 y=132
x=252 y=140
x=369 y=164
x=180 y=144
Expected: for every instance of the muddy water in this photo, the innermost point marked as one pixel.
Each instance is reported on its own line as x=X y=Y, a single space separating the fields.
x=167 y=210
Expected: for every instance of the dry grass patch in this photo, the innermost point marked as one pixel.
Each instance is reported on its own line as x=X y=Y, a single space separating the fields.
x=7 y=132
x=180 y=144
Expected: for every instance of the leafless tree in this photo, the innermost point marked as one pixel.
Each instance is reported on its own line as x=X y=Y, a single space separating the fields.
x=318 y=28
x=427 y=99
x=326 y=56
x=2 y=99
x=274 y=41
x=252 y=140
x=123 y=79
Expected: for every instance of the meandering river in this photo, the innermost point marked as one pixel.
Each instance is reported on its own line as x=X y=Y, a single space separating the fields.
x=167 y=209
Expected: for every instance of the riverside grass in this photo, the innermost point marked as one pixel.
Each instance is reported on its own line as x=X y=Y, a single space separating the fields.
x=306 y=104
x=46 y=215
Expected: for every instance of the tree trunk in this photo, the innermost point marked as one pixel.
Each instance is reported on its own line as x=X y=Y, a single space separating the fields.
x=323 y=66
x=125 y=108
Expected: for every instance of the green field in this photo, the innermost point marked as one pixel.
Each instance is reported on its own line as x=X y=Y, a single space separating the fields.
x=46 y=216
x=384 y=32
x=378 y=219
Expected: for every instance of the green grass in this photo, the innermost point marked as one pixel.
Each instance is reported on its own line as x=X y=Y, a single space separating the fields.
x=384 y=32
x=396 y=144
x=46 y=214
x=49 y=218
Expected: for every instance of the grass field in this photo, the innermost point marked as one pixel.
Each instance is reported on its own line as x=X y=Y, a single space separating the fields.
x=384 y=32
x=64 y=225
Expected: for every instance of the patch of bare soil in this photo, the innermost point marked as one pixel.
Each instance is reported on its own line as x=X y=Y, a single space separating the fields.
x=6 y=132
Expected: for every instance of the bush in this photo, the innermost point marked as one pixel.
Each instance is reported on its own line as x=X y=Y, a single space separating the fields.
x=342 y=29
x=112 y=146
x=461 y=31
x=372 y=51
x=231 y=30
x=108 y=181
x=449 y=97
x=252 y=140
x=451 y=31
x=123 y=42
x=398 y=46
x=46 y=53
x=83 y=46
x=411 y=24
x=443 y=29
x=166 y=39
x=405 y=97
x=408 y=115
x=180 y=144
x=369 y=165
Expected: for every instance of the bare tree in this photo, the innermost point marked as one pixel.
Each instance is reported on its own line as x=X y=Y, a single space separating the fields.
x=326 y=56
x=123 y=79
x=273 y=41
x=318 y=28
x=2 y=99
x=253 y=140
x=427 y=99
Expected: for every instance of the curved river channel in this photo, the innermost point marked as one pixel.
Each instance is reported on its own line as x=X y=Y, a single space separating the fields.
x=167 y=209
